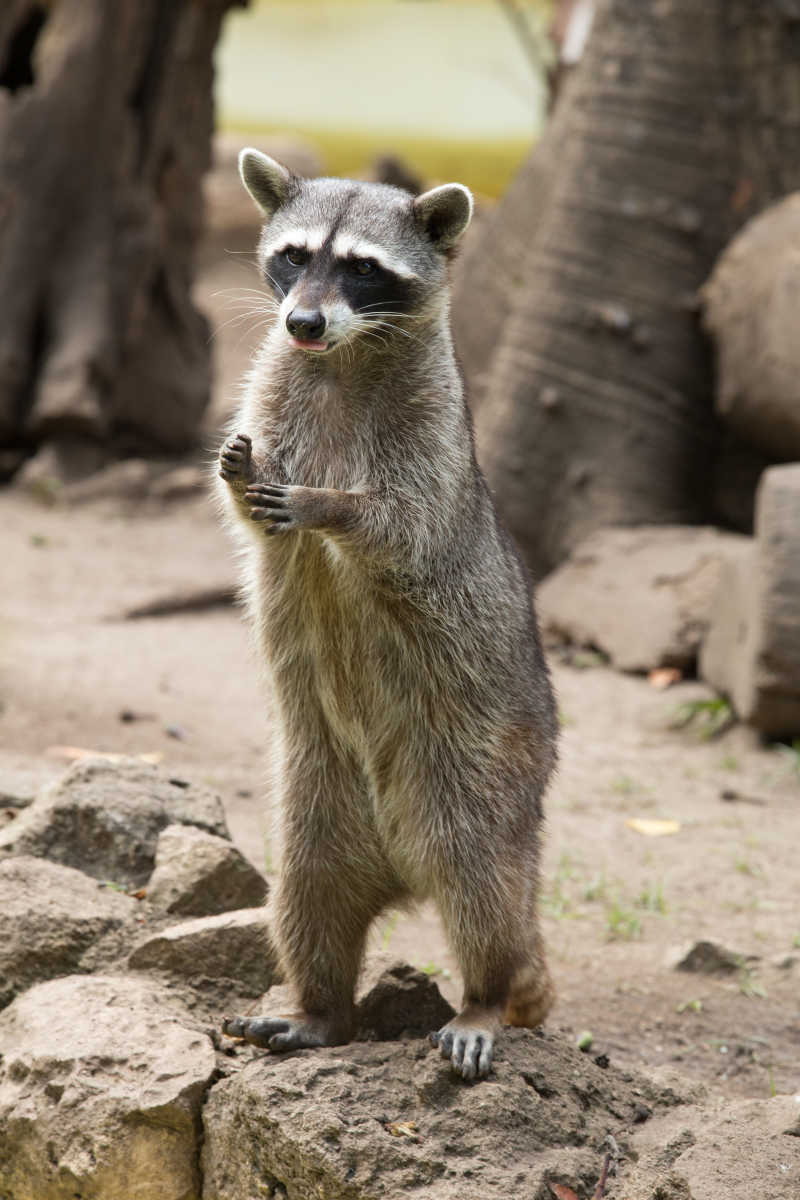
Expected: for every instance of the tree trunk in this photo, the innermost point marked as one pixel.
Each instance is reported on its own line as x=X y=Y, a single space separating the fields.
x=597 y=407
x=105 y=125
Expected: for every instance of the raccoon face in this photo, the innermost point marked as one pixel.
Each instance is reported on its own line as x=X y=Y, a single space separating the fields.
x=348 y=259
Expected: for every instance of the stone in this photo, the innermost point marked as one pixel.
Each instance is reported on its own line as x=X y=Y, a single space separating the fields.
x=389 y=1119
x=751 y=653
x=708 y=958
x=198 y=874
x=399 y=999
x=642 y=596
x=104 y=818
x=233 y=946
x=49 y=917
x=102 y=1080
x=750 y=311
x=736 y=1149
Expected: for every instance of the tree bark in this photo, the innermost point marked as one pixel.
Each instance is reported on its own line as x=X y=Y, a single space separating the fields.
x=105 y=125
x=597 y=407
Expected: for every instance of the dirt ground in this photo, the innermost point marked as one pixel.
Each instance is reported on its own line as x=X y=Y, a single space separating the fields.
x=619 y=906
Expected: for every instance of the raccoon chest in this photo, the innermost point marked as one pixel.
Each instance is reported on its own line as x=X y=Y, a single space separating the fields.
x=325 y=445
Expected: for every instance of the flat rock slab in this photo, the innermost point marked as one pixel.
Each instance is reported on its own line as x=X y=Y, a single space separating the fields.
x=232 y=946
x=388 y=1120
x=49 y=917
x=642 y=596
x=101 y=1086
x=198 y=874
x=752 y=651
x=104 y=818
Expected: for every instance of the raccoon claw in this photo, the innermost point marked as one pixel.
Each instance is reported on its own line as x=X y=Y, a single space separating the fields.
x=235 y=459
x=468 y=1048
x=271 y=502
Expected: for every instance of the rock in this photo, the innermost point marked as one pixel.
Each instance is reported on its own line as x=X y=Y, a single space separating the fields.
x=104 y=818
x=752 y=651
x=750 y=310
x=399 y=999
x=49 y=916
x=389 y=1120
x=101 y=1086
x=198 y=874
x=707 y=958
x=642 y=596
x=233 y=946
x=736 y=1149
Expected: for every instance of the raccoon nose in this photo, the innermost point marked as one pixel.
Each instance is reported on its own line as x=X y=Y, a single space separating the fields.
x=306 y=324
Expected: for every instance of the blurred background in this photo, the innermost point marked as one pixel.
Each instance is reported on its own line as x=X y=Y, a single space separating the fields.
x=625 y=313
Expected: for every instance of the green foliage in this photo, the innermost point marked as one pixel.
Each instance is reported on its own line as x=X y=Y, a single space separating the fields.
x=708 y=718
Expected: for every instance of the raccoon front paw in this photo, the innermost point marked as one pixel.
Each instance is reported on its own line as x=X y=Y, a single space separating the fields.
x=236 y=459
x=298 y=1031
x=275 y=504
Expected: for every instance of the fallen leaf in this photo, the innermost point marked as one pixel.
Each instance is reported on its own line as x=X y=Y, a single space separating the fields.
x=652 y=826
x=663 y=677
x=562 y=1191
x=407 y=1129
x=76 y=753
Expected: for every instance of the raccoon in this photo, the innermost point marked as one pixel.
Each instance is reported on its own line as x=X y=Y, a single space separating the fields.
x=416 y=727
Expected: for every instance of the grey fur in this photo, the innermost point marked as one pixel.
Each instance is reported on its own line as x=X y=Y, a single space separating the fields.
x=415 y=724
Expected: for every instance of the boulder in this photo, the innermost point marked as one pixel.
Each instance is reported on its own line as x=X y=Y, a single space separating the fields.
x=101 y=1085
x=752 y=651
x=49 y=916
x=198 y=874
x=750 y=310
x=104 y=818
x=642 y=596
x=369 y=1120
x=398 y=999
x=233 y=946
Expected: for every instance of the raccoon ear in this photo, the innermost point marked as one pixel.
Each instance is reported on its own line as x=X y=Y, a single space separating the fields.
x=265 y=179
x=444 y=213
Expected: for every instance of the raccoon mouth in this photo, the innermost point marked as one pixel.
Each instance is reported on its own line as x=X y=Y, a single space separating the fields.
x=315 y=346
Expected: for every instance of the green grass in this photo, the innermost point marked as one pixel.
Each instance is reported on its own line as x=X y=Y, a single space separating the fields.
x=621 y=924
x=651 y=899
x=708 y=718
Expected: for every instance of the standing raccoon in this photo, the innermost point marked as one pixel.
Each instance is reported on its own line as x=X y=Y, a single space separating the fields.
x=416 y=724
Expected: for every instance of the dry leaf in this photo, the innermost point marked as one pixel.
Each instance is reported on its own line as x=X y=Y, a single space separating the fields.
x=652 y=827
x=562 y=1191
x=76 y=753
x=407 y=1129
x=664 y=677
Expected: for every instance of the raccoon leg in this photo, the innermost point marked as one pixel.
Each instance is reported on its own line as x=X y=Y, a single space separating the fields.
x=334 y=880
x=486 y=897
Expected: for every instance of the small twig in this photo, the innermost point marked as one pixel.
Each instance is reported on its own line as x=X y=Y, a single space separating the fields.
x=182 y=602
x=524 y=34
x=600 y=1190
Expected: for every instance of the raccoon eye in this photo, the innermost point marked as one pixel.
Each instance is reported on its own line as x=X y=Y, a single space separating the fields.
x=296 y=255
x=363 y=266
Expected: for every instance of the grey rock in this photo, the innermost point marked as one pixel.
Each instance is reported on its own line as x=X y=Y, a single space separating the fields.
x=199 y=875
x=389 y=1119
x=752 y=651
x=708 y=958
x=642 y=596
x=400 y=999
x=234 y=946
x=49 y=917
x=750 y=310
x=104 y=818
x=101 y=1085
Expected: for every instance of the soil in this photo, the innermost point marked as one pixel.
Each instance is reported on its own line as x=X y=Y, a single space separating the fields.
x=619 y=906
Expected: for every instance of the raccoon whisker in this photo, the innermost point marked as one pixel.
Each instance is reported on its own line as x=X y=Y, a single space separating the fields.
x=275 y=284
